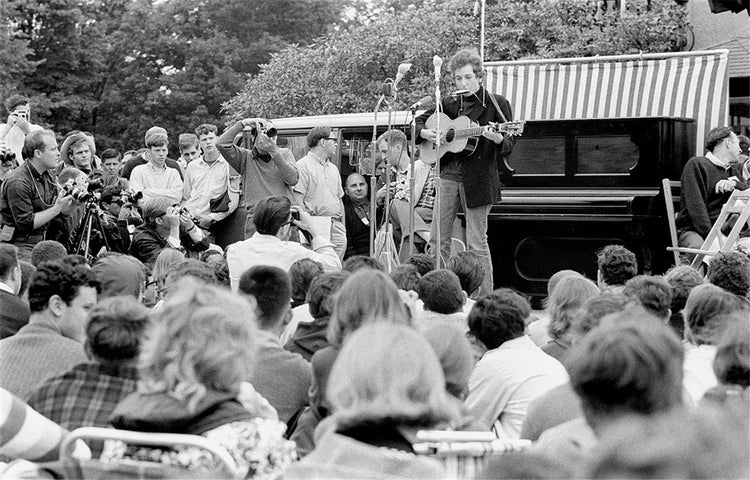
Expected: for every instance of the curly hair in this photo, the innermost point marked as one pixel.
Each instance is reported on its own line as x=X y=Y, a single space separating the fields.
x=205 y=340
x=498 y=317
x=61 y=279
x=731 y=271
x=617 y=264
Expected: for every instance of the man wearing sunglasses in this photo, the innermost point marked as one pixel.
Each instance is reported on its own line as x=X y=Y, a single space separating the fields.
x=319 y=189
x=266 y=170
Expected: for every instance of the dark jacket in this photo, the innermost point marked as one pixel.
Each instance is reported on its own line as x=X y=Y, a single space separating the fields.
x=14 y=314
x=309 y=338
x=147 y=244
x=479 y=170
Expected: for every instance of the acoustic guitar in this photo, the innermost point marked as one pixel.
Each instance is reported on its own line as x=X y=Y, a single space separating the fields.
x=461 y=135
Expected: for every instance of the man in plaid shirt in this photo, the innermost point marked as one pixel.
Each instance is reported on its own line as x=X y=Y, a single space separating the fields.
x=86 y=395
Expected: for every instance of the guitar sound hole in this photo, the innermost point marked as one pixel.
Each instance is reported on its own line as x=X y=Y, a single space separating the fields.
x=450 y=135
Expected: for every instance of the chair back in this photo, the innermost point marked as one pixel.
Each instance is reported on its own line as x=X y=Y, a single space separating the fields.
x=669 y=187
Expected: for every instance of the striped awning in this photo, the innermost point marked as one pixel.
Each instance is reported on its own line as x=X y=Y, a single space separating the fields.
x=685 y=84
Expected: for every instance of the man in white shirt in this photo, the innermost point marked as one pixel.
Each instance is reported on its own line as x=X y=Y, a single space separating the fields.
x=270 y=244
x=319 y=188
x=18 y=126
x=154 y=179
x=514 y=371
x=207 y=181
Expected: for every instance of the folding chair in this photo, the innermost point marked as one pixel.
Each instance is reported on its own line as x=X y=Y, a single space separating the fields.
x=715 y=242
x=136 y=469
x=670 y=187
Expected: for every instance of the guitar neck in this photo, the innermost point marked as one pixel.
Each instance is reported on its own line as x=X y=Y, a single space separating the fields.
x=469 y=132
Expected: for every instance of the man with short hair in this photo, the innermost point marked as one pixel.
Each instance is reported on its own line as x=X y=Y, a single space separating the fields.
x=615 y=266
x=731 y=271
x=189 y=148
x=78 y=151
x=266 y=170
x=319 y=189
x=60 y=297
x=651 y=292
x=29 y=198
x=14 y=312
x=18 y=126
x=398 y=159
x=470 y=271
x=87 y=394
x=155 y=179
x=47 y=251
x=282 y=377
x=706 y=184
x=211 y=190
x=356 y=215
x=514 y=371
x=469 y=179
x=165 y=226
x=443 y=299
x=270 y=244
x=118 y=218
x=134 y=158
x=111 y=168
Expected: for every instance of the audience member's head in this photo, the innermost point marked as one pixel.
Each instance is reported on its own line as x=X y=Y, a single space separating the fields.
x=204 y=341
x=10 y=269
x=271 y=214
x=366 y=296
x=189 y=268
x=470 y=271
x=65 y=294
x=27 y=270
x=301 y=274
x=626 y=366
x=359 y=262
x=166 y=258
x=593 y=311
x=454 y=353
x=499 y=317
x=732 y=360
x=115 y=329
x=705 y=311
x=682 y=279
x=47 y=251
x=406 y=277
x=75 y=260
x=321 y=293
x=557 y=276
x=568 y=295
x=369 y=384
x=441 y=292
x=616 y=265
x=120 y=275
x=731 y=271
x=221 y=269
x=154 y=209
x=271 y=289
x=652 y=293
x=424 y=263
x=702 y=443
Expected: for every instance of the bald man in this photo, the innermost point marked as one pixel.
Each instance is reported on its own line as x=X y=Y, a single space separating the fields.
x=356 y=216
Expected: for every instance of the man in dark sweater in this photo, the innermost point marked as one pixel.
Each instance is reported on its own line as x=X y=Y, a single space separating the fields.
x=707 y=183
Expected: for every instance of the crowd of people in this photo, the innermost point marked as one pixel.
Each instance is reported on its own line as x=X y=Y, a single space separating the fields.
x=229 y=294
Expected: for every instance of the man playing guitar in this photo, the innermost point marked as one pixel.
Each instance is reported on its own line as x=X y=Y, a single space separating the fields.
x=469 y=179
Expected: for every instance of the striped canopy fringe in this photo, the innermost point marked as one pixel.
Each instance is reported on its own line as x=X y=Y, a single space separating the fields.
x=686 y=84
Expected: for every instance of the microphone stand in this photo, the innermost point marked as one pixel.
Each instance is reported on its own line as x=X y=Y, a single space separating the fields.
x=373 y=177
x=412 y=180
x=439 y=240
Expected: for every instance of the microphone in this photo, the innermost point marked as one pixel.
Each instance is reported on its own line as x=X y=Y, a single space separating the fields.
x=402 y=69
x=424 y=102
x=387 y=88
x=437 y=62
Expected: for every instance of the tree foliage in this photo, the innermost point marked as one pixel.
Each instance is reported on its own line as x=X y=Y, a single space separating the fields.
x=343 y=72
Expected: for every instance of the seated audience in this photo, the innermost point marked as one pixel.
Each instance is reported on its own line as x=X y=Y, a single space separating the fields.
x=356 y=215
x=282 y=377
x=706 y=313
x=27 y=270
x=454 y=353
x=271 y=245
x=188 y=269
x=51 y=343
x=443 y=300
x=47 y=251
x=470 y=271
x=310 y=337
x=567 y=297
x=623 y=367
x=731 y=271
x=25 y=433
x=301 y=273
x=120 y=275
x=406 y=277
x=191 y=368
x=732 y=363
x=358 y=262
x=682 y=279
x=86 y=395
x=651 y=292
x=615 y=266
x=425 y=263
x=538 y=329
x=377 y=407
x=14 y=312
x=561 y=403
x=514 y=371
x=166 y=258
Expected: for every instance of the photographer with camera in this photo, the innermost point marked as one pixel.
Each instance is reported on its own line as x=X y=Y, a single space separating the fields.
x=119 y=217
x=266 y=170
x=18 y=126
x=273 y=218
x=29 y=198
x=166 y=225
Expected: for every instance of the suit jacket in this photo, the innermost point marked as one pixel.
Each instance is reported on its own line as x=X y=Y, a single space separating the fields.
x=14 y=314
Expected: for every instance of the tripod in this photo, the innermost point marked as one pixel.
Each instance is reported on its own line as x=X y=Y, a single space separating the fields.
x=90 y=221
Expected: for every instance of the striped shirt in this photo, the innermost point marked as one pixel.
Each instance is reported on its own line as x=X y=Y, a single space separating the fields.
x=26 y=434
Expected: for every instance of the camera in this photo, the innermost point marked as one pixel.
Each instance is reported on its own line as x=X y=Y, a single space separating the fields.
x=78 y=192
x=130 y=198
x=7 y=157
